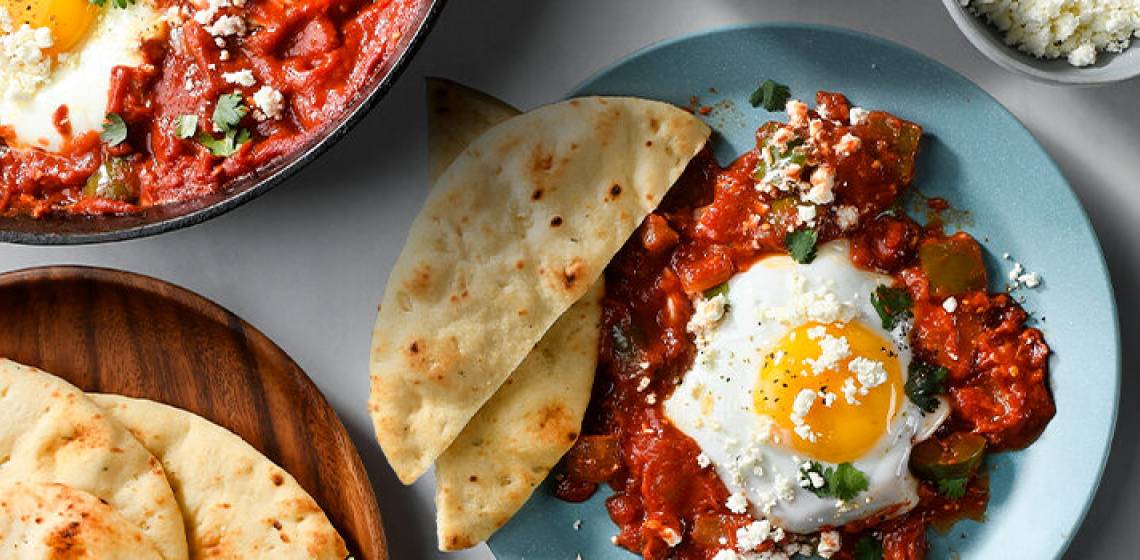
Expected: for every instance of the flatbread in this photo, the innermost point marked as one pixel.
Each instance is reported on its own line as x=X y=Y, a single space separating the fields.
x=516 y=230
x=44 y=521
x=236 y=502
x=51 y=432
x=457 y=115
x=521 y=433
x=511 y=444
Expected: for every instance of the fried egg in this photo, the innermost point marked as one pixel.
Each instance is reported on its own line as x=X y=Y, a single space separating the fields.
x=56 y=53
x=794 y=367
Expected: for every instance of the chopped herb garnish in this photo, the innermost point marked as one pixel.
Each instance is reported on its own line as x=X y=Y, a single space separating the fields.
x=121 y=4
x=953 y=488
x=227 y=145
x=801 y=245
x=893 y=305
x=843 y=481
x=924 y=383
x=719 y=290
x=868 y=548
x=228 y=114
x=773 y=96
x=229 y=111
x=114 y=130
x=186 y=126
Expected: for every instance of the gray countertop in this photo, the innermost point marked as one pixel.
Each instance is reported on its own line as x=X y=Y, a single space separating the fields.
x=306 y=263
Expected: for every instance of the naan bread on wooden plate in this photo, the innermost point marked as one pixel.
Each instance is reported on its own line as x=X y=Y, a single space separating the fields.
x=50 y=432
x=46 y=521
x=236 y=502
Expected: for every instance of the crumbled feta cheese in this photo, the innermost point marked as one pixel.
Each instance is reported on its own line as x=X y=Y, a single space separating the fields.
x=1073 y=29
x=726 y=554
x=703 y=461
x=819 y=305
x=797 y=112
x=870 y=373
x=815 y=130
x=802 y=405
x=848 y=144
x=226 y=26
x=643 y=383
x=651 y=398
x=270 y=102
x=950 y=304
x=805 y=213
x=828 y=398
x=832 y=350
x=849 y=391
x=751 y=536
x=670 y=536
x=822 y=183
x=707 y=312
x=24 y=64
x=241 y=77
x=1015 y=272
x=846 y=217
x=737 y=503
x=858 y=116
x=829 y=543
x=1019 y=277
x=783 y=136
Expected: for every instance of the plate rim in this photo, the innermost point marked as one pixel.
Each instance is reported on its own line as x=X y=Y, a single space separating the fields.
x=1085 y=221
x=200 y=304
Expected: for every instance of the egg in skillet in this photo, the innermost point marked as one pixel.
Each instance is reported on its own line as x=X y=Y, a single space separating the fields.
x=61 y=53
x=796 y=375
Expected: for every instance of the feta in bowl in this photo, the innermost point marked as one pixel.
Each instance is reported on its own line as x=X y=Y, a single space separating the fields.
x=1067 y=42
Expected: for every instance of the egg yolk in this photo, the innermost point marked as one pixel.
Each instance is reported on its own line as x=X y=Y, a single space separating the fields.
x=817 y=358
x=70 y=21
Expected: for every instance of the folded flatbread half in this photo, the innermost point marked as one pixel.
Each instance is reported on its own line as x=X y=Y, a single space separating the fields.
x=513 y=442
x=517 y=229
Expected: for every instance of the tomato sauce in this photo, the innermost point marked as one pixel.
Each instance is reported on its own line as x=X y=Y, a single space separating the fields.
x=714 y=223
x=319 y=54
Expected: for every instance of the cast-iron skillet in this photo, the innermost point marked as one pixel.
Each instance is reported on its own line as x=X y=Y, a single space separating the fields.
x=75 y=230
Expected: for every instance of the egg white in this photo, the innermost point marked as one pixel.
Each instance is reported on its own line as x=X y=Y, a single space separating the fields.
x=714 y=403
x=81 y=80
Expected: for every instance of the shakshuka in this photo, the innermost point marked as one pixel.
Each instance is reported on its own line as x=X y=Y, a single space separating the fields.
x=112 y=106
x=792 y=365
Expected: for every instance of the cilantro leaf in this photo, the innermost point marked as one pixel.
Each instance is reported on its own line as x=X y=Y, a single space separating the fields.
x=720 y=289
x=924 y=383
x=114 y=130
x=229 y=111
x=892 y=304
x=801 y=245
x=843 y=481
x=186 y=126
x=953 y=488
x=225 y=146
x=773 y=96
x=868 y=548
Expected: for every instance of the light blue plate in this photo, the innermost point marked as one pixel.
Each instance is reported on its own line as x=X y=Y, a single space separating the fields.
x=978 y=156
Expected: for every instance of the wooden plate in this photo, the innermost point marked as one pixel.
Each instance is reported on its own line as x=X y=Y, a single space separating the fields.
x=119 y=332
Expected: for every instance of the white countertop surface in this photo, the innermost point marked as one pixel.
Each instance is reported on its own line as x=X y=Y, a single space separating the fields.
x=306 y=263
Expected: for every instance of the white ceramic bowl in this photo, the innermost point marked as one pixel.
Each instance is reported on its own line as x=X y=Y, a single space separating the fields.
x=1108 y=68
